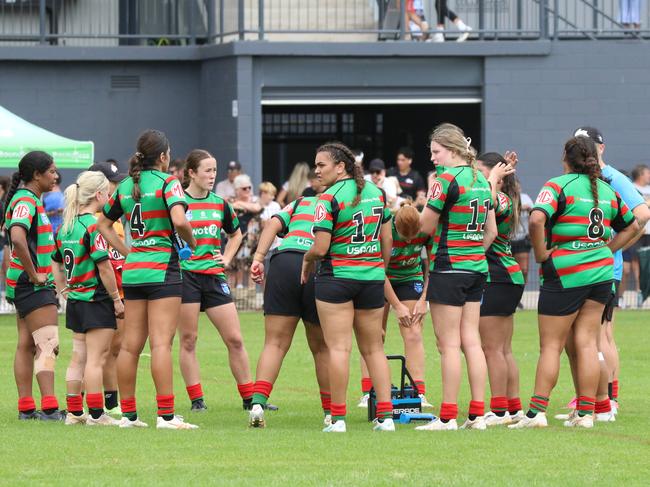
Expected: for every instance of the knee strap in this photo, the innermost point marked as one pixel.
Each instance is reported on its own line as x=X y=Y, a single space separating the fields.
x=46 y=340
x=77 y=365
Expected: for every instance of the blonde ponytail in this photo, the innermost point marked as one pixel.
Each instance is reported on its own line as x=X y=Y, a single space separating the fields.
x=81 y=194
x=453 y=138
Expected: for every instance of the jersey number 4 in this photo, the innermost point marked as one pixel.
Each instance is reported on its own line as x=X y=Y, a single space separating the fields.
x=359 y=236
x=474 y=225
x=136 y=221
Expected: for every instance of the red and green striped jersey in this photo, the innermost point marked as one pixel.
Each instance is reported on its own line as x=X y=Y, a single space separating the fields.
x=208 y=217
x=579 y=230
x=26 y=210
x=153 y=259
x=406 y=258
x=355 y=249
x=503 y=267
x=80 y=249
x=297 y=220
x=463 y=205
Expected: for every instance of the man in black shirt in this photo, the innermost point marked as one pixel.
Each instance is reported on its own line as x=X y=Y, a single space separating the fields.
x=409 y=179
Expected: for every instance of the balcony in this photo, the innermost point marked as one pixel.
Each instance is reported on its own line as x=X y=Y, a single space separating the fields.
x=193 y=22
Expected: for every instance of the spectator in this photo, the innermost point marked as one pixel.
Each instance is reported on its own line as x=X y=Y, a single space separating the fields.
x=410 y=180
x=520 y=243
x=177 y=168
x=444 y=11
x=54 y=204
x=298 y=182
x=267 y=200
x=390 y=185
x=226 y=188
x=630 y=14
x=641 y=180
x=248 y=209
x=313 y=183
x=415 y=21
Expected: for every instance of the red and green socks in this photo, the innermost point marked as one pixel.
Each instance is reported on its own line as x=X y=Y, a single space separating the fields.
x=338 y=412
x=538 y=404
x=366 y=385
x=195 y=392
x=26 y=405
x=261 y=392
x=129 y=409
x=165 y=406
x=514 y=405
x=75 y=404
x=49 y=404
x=585 y=405
x=95 y=404
x=448 y=411
x=476 y=409
x=246 y=393
x=499 y=405
x=384 y=411
x=604 y=406
x=326 y=402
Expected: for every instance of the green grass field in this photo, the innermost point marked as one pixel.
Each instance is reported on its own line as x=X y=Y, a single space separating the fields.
x=293 y=451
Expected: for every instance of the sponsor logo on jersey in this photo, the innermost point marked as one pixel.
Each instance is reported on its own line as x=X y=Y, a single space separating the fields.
x=477 y=237
x=320 y=213
x=100 y=243
x=188 y=215
x=177 y=190
x=544 y=197
x=503 y=200
x=211 y=230
x=150 y=242
x=363 y=249
x=436 y=190
x=21 y=211
x=45 y=219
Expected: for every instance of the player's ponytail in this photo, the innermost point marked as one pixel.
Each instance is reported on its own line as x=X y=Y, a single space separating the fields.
x=151 y=144
x=34 y=161
x=510 y=186
x=453 y=138
x=341 y=153
x=581 y=155
x=81 y=194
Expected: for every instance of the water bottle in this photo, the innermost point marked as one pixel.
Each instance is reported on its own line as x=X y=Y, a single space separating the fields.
x=183 y=250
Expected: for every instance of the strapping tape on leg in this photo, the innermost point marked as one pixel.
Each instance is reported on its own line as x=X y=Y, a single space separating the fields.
x=46 y=340
x=77 y=365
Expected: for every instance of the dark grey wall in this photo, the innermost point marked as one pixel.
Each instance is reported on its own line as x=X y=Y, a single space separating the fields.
x=535 y=93
x=533 y=104
x=74 y=99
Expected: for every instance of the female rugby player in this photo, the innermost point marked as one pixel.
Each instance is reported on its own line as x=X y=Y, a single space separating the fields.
x=154 y=203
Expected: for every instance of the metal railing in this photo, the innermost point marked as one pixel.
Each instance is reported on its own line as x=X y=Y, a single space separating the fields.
x=190 y=22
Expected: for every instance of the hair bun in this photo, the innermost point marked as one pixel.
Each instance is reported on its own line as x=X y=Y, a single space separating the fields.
x=139 y=156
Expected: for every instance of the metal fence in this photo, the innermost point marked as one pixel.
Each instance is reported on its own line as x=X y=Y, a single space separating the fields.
x=189 y=22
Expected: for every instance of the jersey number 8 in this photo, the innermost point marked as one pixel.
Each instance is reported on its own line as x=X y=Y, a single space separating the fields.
x=359 y=236
x=595 y=230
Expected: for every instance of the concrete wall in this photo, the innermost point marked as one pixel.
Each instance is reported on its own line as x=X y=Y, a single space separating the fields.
x=533 y=104
x=534 y=93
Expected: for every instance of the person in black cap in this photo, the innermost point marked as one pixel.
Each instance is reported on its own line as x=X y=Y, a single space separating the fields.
x=111 y=171
x=226 y=188
x=377 y=170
